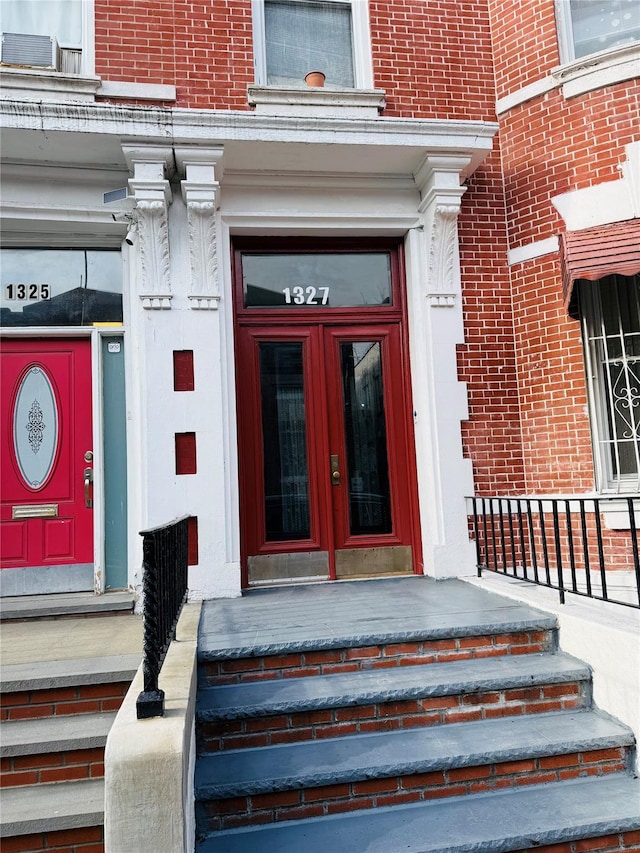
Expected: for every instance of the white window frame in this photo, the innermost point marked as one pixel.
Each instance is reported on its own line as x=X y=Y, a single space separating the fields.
x=88 y=58
x=564 y=27
x=601 y=402
x=360 y=36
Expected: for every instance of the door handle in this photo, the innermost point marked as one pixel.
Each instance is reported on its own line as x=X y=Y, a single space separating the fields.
x=88 y=479
x=335 y=469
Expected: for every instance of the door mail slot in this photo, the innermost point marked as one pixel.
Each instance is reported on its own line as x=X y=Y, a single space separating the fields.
x=35 y=511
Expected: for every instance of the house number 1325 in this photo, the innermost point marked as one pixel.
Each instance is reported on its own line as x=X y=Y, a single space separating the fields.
x=306 y=295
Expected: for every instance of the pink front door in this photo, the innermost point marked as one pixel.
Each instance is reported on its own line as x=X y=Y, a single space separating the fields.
x=46 y=521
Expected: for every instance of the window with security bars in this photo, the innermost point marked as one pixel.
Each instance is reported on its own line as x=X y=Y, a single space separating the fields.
x=610 y=310
x=589 y=26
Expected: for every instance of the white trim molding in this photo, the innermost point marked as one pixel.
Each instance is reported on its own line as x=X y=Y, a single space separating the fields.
x=607 y=202
x=325 y=101
x=529 y=251
x=116 y=89
x=580 y=76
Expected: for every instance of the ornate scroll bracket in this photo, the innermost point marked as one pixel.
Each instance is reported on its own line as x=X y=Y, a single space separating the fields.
x=443 y=256
x=200 y=191
x=152 y=196
x=438 y=179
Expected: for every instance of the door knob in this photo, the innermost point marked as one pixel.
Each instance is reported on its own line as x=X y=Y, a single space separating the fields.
x=335 y=470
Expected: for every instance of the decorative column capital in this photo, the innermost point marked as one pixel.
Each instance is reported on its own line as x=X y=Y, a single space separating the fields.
x=438 y=179
x=203 y=169
x=152 y=195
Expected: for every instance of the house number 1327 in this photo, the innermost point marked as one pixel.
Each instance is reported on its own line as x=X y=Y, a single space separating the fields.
x=306 y=295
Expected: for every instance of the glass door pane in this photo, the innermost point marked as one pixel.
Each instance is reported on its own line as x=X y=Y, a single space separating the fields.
x=284 y=436
x=365 y=438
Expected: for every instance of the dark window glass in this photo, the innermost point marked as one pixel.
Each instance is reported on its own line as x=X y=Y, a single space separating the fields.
x=299 y=281
x=60 y=287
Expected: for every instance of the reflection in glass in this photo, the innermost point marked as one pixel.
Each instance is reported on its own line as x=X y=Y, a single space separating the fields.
x=365 y=437
x=60 y=287
x=284 y=442
x=324 y=280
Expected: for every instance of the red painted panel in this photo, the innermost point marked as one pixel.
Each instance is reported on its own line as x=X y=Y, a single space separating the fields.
x=186 y=453
x=14 y=542
x=69 y=536
x=183 y=375
x=58 y=539
x=192 y=543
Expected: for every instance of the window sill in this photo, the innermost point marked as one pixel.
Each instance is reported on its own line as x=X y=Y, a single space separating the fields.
x=327 y=101
x=598 y=70
x=39 y=85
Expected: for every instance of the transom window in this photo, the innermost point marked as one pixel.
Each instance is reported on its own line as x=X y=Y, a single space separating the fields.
x=610 y=310
x=589 y=26
x=294 y=37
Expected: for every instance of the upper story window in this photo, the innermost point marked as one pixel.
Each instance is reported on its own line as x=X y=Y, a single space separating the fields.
x=293 y=37
x=46 y=34
x=610 y=310
x=589 y=26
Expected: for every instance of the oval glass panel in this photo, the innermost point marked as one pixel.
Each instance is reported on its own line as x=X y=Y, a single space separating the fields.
x=35 y=427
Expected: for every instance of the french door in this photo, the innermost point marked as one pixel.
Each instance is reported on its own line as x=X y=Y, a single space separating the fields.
x=326 y=470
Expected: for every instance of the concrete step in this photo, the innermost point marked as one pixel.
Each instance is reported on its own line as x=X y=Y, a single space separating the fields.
x=287 y=695
x=65 y=604
x=507 y=820
x=48 y=749
x=52 y=808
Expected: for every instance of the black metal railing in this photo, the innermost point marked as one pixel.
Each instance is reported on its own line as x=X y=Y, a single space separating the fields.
x=585 y=546
x=164 y=587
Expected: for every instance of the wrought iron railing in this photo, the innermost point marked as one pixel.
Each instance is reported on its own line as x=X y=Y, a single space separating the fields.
x=164 y=587
x=585 y=546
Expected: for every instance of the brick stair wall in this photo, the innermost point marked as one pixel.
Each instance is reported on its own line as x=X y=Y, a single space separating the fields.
x=254 y=730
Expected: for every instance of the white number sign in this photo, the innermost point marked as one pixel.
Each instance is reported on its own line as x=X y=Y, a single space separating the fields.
x=306 y=295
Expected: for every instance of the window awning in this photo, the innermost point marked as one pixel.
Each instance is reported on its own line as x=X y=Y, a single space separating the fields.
x=594 y=253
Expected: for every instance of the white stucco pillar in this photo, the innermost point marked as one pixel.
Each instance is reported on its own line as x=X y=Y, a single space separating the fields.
x=207 y=328
x=440 y=399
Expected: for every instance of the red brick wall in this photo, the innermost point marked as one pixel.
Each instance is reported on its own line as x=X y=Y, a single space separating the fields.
x=433 y=58
x=524 y=42
x=204 y=48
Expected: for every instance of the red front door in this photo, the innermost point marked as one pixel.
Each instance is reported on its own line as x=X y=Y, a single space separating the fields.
x=327 y=480
x=46 y=521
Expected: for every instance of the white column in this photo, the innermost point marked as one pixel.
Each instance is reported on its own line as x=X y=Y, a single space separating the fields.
x=440 y=400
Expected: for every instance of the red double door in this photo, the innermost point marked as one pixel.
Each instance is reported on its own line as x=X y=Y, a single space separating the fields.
x=327 y=471
x=46 y=522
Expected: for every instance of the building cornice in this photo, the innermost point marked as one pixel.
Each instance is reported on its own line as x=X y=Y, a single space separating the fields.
x=178 y=125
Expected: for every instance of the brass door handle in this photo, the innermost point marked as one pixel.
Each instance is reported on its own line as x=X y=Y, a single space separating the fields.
x=88 y=479
x=335 y=469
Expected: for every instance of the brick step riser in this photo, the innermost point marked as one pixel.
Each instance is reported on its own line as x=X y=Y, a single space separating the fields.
x=86 y=839
x=270 y=730
x=332 y=661
x=624 y=842
x=397 y=790
x=63 y=701
x=52 y=767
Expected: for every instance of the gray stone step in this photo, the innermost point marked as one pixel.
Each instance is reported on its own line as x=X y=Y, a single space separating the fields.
x=357 y=613
x=501 y=821
x=64 y=604
x=54 y=734
x=41 y=675
x=289 y=695
x=52 y=807
x=400 y=752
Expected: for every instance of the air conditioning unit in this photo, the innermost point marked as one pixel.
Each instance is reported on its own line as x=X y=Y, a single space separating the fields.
x=30 y=51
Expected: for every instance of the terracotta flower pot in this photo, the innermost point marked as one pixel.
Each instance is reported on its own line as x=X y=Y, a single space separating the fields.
x=314 y=78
